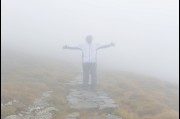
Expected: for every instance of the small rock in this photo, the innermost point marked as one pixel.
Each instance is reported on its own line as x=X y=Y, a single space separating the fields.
x=108 y=106
x=9 y=103
x=20 y=115
x=74 y=115
x=2 y=105
x=110 y=116
x=13 y=117
x=15 y=101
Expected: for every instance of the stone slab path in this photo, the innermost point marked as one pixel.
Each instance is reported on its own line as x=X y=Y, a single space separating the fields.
x=87 y=99
x=78 y=99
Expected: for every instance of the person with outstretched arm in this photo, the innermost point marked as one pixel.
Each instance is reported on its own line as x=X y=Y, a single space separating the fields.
x=89 y=56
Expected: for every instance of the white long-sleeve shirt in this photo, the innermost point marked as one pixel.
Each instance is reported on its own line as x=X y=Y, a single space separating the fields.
x=89 y=51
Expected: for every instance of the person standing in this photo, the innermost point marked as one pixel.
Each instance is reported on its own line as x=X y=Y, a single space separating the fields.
x=89 y=58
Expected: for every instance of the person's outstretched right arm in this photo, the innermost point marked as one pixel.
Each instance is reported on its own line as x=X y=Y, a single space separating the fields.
x=105 y=46
x=73 y=47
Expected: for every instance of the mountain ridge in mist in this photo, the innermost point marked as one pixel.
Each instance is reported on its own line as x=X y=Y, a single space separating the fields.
x=139 y=97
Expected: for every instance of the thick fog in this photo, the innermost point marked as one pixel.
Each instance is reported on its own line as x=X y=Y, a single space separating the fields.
x=145 y=32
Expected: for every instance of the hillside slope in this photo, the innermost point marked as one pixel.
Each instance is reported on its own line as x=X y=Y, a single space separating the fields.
x=24 y=79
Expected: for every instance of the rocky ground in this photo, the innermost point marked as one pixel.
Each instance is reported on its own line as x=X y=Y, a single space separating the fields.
x=78 y=99
x=40 y=109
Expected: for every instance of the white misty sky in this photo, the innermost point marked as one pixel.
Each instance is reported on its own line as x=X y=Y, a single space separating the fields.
x=145 y=31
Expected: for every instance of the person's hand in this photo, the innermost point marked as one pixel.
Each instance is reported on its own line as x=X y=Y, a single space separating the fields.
x=112 y=44
x=65 y=47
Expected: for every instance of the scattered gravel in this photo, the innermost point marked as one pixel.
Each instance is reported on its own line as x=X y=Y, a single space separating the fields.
x=39 y=110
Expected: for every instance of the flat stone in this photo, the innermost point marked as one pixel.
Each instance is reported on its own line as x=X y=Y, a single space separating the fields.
x=84 y=105
x=86 y=99
x=103 y=97
x=2 y=105
x=73 y=115
x=108 y=106
x=13 y=117
x=109 y=116
x=109 y=101
x=9 y=103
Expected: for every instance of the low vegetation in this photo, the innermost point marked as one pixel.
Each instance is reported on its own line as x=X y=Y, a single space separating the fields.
x=138 y=96
x=141 y=97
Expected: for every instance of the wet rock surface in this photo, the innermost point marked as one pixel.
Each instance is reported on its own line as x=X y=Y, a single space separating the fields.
x=87 y=99
x=80 y=98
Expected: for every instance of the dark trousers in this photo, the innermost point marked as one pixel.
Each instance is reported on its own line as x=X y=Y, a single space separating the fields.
x=89 y=71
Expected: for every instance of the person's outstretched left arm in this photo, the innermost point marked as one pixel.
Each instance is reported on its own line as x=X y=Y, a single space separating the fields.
x=105 y=46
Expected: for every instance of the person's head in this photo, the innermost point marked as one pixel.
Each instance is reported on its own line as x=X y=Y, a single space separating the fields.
x=89 y=39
